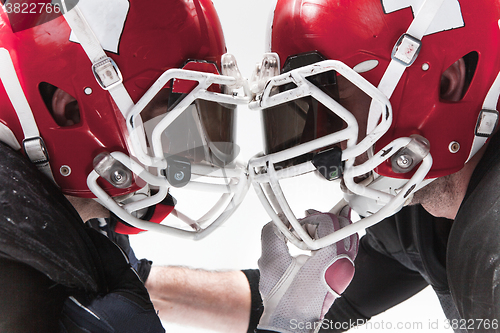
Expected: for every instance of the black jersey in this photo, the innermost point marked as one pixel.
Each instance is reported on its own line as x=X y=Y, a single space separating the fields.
x=40 y=228
x=460 y=259
x=57 y=274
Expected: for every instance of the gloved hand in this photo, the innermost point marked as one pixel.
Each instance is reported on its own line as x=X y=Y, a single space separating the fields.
x=298 y=291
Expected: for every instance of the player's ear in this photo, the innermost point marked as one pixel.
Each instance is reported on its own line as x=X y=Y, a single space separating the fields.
x=65 y=108
x=453 y=81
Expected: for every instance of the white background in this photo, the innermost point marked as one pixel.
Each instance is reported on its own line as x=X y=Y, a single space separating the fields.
x=236 y=244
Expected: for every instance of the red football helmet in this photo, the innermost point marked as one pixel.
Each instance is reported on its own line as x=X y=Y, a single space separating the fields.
x=334 y=51
x=97 y=99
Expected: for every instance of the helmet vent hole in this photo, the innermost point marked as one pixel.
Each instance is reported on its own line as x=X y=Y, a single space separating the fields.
x=456 y=79
x=63 y=107
x=470 y=60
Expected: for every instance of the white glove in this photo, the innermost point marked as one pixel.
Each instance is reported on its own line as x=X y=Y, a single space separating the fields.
x=298 y=291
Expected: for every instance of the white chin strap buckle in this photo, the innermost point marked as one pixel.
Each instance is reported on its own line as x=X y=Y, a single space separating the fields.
x=35 y=150
x=406 y=50
x=107 y=73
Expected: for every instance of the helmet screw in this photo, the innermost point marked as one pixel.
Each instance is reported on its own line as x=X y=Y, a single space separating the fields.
x=454 y=147
x=179 y=175
x=87 y=91
x=425 y=66
x=118 y=177
x=404 y=161
x=65 y=170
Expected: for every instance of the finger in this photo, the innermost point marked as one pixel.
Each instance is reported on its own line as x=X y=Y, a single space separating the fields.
x=351 y=242
x=312 y=212
x=353 y=246
x=310 y=223
x=275 y=258
x=273 y=242
x=345 y=216
x=327 y=224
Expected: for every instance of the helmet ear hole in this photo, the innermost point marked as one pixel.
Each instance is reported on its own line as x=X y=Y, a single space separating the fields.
x=453 y=82
x=62 y=106
x=452 y=87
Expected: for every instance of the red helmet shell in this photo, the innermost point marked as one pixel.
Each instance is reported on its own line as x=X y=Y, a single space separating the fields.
x=356 y=31
x=157 y=36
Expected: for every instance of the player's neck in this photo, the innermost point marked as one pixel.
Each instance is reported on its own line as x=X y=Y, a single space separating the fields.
x=443 y=197
x=88 y=208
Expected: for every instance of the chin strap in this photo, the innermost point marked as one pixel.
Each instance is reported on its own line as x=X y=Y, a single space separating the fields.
x=405 y=52
x=488 y=118
x=104 y=68
x=408 y=46
x=156 y=214
x=33 y=144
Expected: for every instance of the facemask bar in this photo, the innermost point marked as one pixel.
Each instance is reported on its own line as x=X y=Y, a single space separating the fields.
x=265 y=177
x=205 y=80
x=231 y=196
x=102 y=66
x=403 y=55
x=231 y=193
x=380 y=106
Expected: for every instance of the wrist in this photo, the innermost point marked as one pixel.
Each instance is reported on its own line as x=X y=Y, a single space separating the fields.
x=256 y=308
